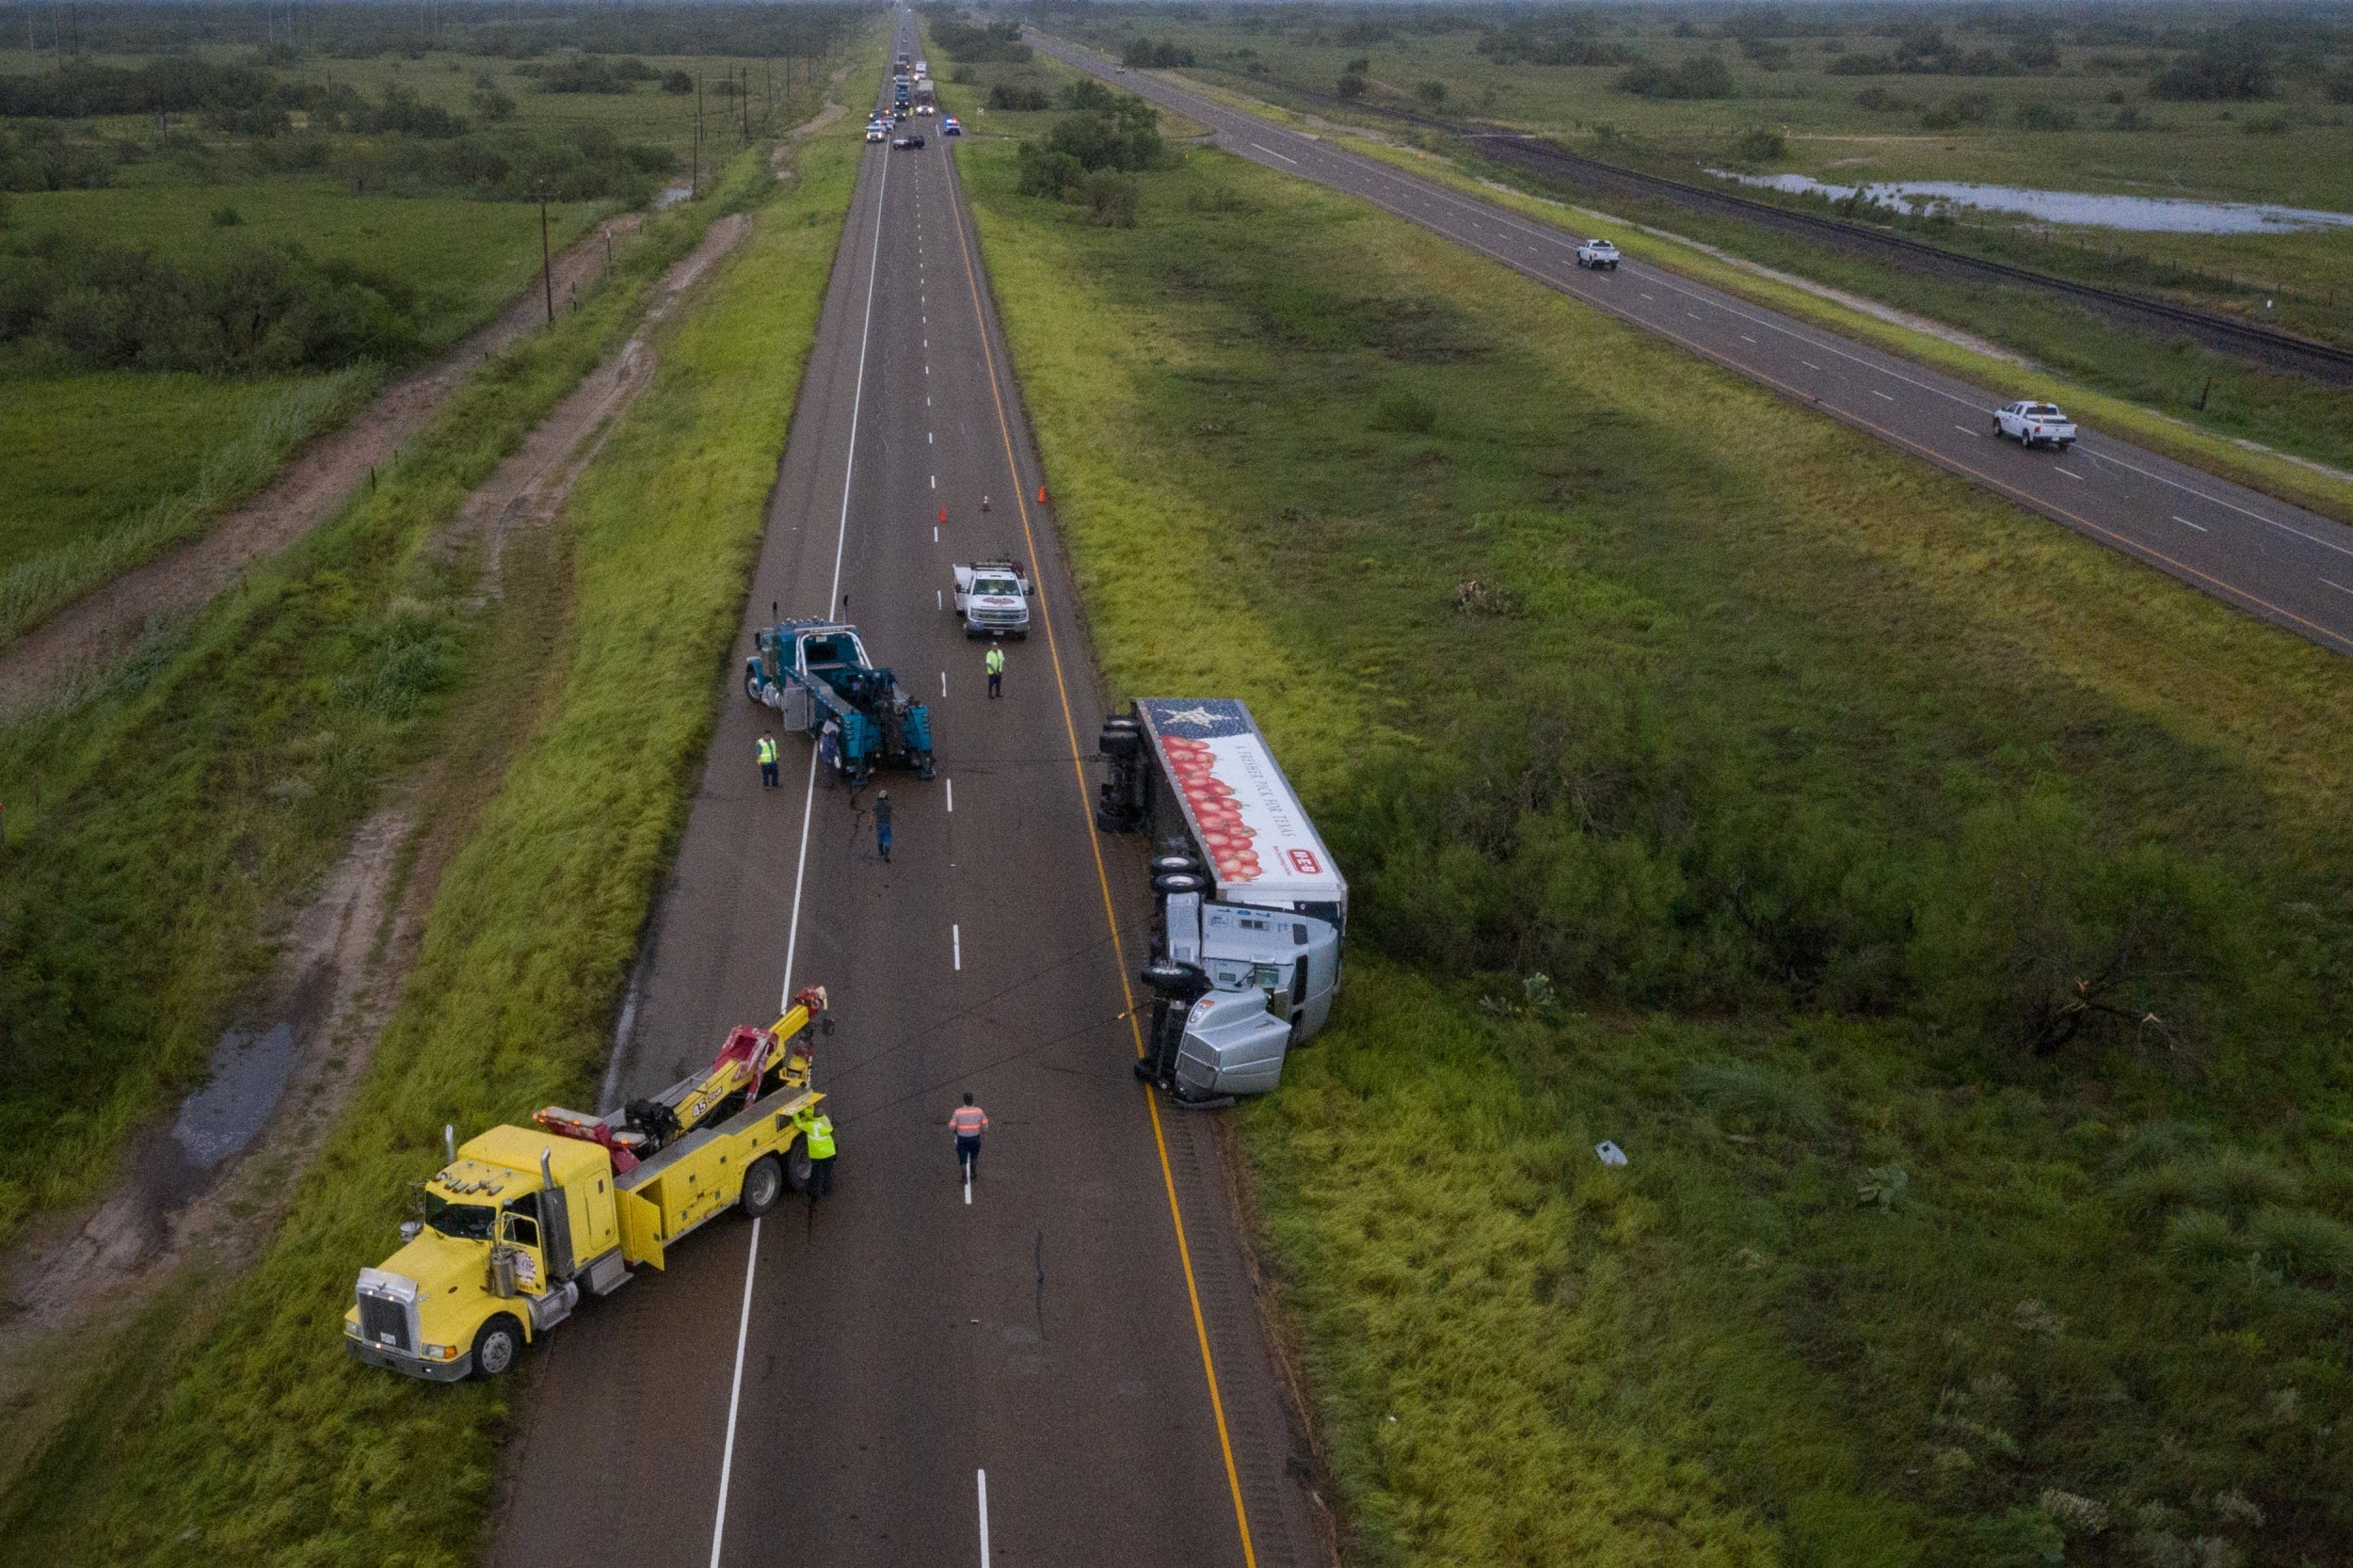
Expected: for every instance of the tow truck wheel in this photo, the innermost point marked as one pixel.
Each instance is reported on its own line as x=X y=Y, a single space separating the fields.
x=496 y=1344
x=798 y=1167
x=763 y=1184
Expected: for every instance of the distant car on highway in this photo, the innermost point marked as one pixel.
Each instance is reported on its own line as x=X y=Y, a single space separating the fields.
x=2031 y=425
x=905 y=144
x=899 y=114
x=1599 y=254
x=950 y=127
x=875 y=130
x=926 y=108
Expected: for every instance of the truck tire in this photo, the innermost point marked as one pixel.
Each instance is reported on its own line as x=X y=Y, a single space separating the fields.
x=763 y=1184
x=496 y=1344
x=751 y=687
x=798 y=1167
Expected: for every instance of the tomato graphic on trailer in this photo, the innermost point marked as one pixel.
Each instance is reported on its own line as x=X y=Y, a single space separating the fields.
x=1240 y=809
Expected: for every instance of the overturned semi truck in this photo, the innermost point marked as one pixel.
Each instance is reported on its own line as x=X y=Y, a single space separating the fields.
x=1251 y=909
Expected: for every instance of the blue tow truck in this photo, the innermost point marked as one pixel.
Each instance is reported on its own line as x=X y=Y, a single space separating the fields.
x=816 y=672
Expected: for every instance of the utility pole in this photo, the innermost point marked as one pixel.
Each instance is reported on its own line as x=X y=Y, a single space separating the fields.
x=547 y=259
x=695 y=169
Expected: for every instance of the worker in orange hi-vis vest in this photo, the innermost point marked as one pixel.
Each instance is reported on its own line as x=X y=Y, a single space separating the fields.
x=969 y=1121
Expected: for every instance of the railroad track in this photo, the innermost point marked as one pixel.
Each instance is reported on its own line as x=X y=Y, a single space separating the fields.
x=2264 y=346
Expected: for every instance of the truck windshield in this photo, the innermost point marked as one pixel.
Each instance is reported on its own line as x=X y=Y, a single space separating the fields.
x=466 y=1221
x=995 y=586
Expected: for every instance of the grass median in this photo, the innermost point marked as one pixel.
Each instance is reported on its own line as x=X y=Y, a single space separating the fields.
x=1942 y=913
x=264 y=1443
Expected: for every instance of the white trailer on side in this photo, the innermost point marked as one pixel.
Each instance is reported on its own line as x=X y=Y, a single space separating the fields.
x=1247 y=954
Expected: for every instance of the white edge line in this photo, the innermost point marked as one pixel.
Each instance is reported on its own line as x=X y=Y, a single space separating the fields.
x=2187 y=523
x=735 y=1394
x=800 y=873
x=981 y=1476
x=1272 y=154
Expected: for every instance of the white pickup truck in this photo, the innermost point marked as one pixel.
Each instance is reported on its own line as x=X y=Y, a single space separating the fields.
x=1599 y=254
x=993 y=599
x=2031 y=423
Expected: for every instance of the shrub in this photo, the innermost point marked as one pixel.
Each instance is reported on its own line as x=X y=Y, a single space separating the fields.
x=1144 y=53
x=1757 y=145
x=2224 y=69
x=1109 y=198
x=2046 y=116
x=257 y=310
x=1019 y=99
x=1044 y=172
x=1701 y=76
x=1963 y=108
x=2303 y=1246
x=976 y=45
x=1431 y=94
x=593 y=73
x=1881 y=101
x=676 y=82
x=2037 y=56
x=2200 y=1241
x=1406 y=411
x=1350 y=85
x=1862 y=65
x=1766 y=54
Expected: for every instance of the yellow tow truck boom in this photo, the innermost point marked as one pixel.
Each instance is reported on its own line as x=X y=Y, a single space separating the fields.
x=522 y=1219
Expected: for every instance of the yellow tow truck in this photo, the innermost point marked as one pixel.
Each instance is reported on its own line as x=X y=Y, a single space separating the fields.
x=522 y=1220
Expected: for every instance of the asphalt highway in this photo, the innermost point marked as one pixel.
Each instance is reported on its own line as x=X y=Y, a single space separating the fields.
x=1065 y=1364
x=2289 y=565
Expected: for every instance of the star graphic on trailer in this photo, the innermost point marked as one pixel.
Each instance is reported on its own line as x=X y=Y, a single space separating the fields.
x=1192 y=715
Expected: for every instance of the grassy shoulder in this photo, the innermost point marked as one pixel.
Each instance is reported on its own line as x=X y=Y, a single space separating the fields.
x=1714 y=785
x=264 y=1443
x=132 y=918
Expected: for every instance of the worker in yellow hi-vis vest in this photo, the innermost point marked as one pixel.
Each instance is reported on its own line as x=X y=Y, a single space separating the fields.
x=817 y=1135
x=995 y=664
x=767 y=761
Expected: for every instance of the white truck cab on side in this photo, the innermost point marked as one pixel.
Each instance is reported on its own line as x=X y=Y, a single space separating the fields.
x=2032 y=423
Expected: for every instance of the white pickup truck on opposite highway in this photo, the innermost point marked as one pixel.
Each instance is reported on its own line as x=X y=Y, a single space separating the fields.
x=993 y=599
x=2031 y=423
x=1599 y=254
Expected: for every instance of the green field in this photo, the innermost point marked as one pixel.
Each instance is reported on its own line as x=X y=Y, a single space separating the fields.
x=125 y=464
x=464 y=258
x=256 y=1439
x=1713 y=783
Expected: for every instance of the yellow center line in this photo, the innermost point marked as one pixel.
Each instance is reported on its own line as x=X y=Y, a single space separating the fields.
x=1102 y=877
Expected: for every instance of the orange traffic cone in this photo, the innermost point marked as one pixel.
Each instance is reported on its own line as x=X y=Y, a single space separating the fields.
x=1041 y=495
x=943 y=514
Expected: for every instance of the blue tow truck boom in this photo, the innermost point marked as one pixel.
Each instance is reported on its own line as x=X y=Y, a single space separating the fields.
x=816 y=672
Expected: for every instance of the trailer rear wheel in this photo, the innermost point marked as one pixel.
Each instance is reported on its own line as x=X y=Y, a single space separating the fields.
x=763 y=1184
x=496 y=1344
